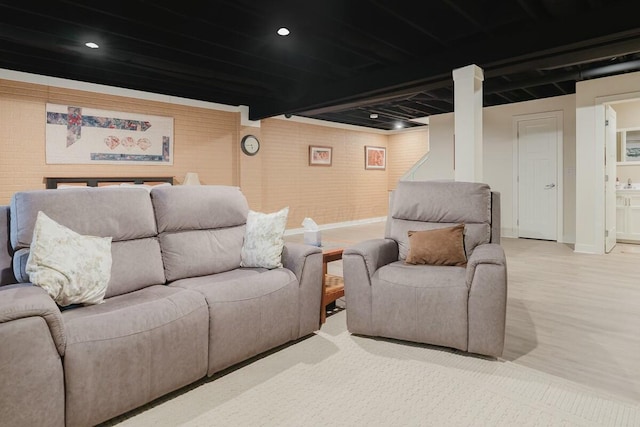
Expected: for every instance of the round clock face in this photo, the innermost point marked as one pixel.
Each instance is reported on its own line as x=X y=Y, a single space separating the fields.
x=250 y=145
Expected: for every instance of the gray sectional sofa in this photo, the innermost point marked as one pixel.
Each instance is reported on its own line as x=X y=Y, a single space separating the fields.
x=178 y=306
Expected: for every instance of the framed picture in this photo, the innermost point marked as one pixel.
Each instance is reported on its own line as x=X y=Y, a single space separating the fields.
x=375 y=157
x=633 y=151
x=320 y=156
x=81 y=135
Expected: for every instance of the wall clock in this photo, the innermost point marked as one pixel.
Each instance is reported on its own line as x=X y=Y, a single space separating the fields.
x=250 y=145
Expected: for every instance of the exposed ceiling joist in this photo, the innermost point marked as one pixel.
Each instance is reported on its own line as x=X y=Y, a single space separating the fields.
x=342 y=60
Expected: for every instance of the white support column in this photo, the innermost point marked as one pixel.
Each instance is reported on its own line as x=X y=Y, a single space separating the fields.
x=467 y=102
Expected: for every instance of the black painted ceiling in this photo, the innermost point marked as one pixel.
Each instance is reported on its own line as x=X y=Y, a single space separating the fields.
x=344 y=59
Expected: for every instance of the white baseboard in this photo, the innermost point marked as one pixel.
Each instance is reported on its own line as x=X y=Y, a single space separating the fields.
x=587 y=249
x=508 y=232
x=511 y=234
x=292 y=231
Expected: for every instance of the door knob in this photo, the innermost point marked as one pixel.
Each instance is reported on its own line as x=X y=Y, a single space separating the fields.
x=549 y=186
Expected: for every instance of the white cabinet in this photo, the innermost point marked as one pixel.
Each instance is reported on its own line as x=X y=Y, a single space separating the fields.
x=628 y=215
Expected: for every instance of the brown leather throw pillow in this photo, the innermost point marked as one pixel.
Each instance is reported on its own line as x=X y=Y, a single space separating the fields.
x=442 y=246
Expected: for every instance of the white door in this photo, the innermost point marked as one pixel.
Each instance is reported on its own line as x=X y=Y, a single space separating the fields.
x=610 y=166
x=537 y=178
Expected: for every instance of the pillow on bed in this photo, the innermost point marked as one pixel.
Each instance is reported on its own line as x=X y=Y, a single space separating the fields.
x=72 y=268
x=66 y=186
x=145 y=186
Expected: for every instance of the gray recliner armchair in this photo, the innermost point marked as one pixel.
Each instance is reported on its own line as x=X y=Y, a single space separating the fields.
x=461 y=307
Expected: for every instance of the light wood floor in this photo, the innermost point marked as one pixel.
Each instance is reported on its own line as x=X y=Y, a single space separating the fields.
x=573 y=315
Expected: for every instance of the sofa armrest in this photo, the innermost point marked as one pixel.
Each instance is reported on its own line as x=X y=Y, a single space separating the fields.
x=490 y=253
x=375 y=253
x=487 y=305
x=31 y=347
x=26 y=300
x=359 y=263
x=305 y=262
x=295 y=255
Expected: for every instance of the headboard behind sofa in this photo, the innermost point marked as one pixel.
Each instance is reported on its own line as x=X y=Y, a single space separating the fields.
x=53 y=183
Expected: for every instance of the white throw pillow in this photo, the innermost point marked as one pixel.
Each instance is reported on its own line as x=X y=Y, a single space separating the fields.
x=72 y=268
x=264 y=239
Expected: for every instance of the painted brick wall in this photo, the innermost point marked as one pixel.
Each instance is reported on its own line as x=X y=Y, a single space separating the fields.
x=405 y=149
x=207 y=142
x=345 y=191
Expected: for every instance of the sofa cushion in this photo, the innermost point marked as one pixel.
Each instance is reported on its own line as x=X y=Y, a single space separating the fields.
x=422 y=276
x=264 y=239
x=209 y=280
x=126 y=215
x=128 y=273
x=440 y=246
x=201 y=228
x=426 y=205
x=198 y=207
x=421 y=303
x=136 y=264
x=250 y=311
x=442 y=201
x=122 y=214
x=132 y=349
x=201 y=252
x=72 y=268
x=129 y=314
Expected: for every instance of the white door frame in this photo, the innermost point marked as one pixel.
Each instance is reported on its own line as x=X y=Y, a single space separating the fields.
x=600 y=205
x=559 y=116
x=610 y=170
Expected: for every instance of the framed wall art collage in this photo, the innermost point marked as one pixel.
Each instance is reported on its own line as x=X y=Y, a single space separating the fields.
x=78 y=135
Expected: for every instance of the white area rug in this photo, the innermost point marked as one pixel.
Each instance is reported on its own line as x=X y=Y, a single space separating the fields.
x=355 y=381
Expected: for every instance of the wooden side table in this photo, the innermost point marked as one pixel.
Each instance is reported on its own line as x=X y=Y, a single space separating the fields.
x=332 y=286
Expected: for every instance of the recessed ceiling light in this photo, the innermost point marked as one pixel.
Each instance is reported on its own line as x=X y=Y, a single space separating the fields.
x=91 y=45
x=373 y=116
x=283 y=31
x=399 y=125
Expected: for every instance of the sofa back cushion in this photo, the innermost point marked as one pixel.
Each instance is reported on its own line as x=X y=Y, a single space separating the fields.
x=427 y=205
x=201 y=228
x=125 y=215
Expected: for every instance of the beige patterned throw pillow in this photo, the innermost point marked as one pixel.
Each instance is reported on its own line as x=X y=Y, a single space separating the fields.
x=72 y=268
x=264 y=239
